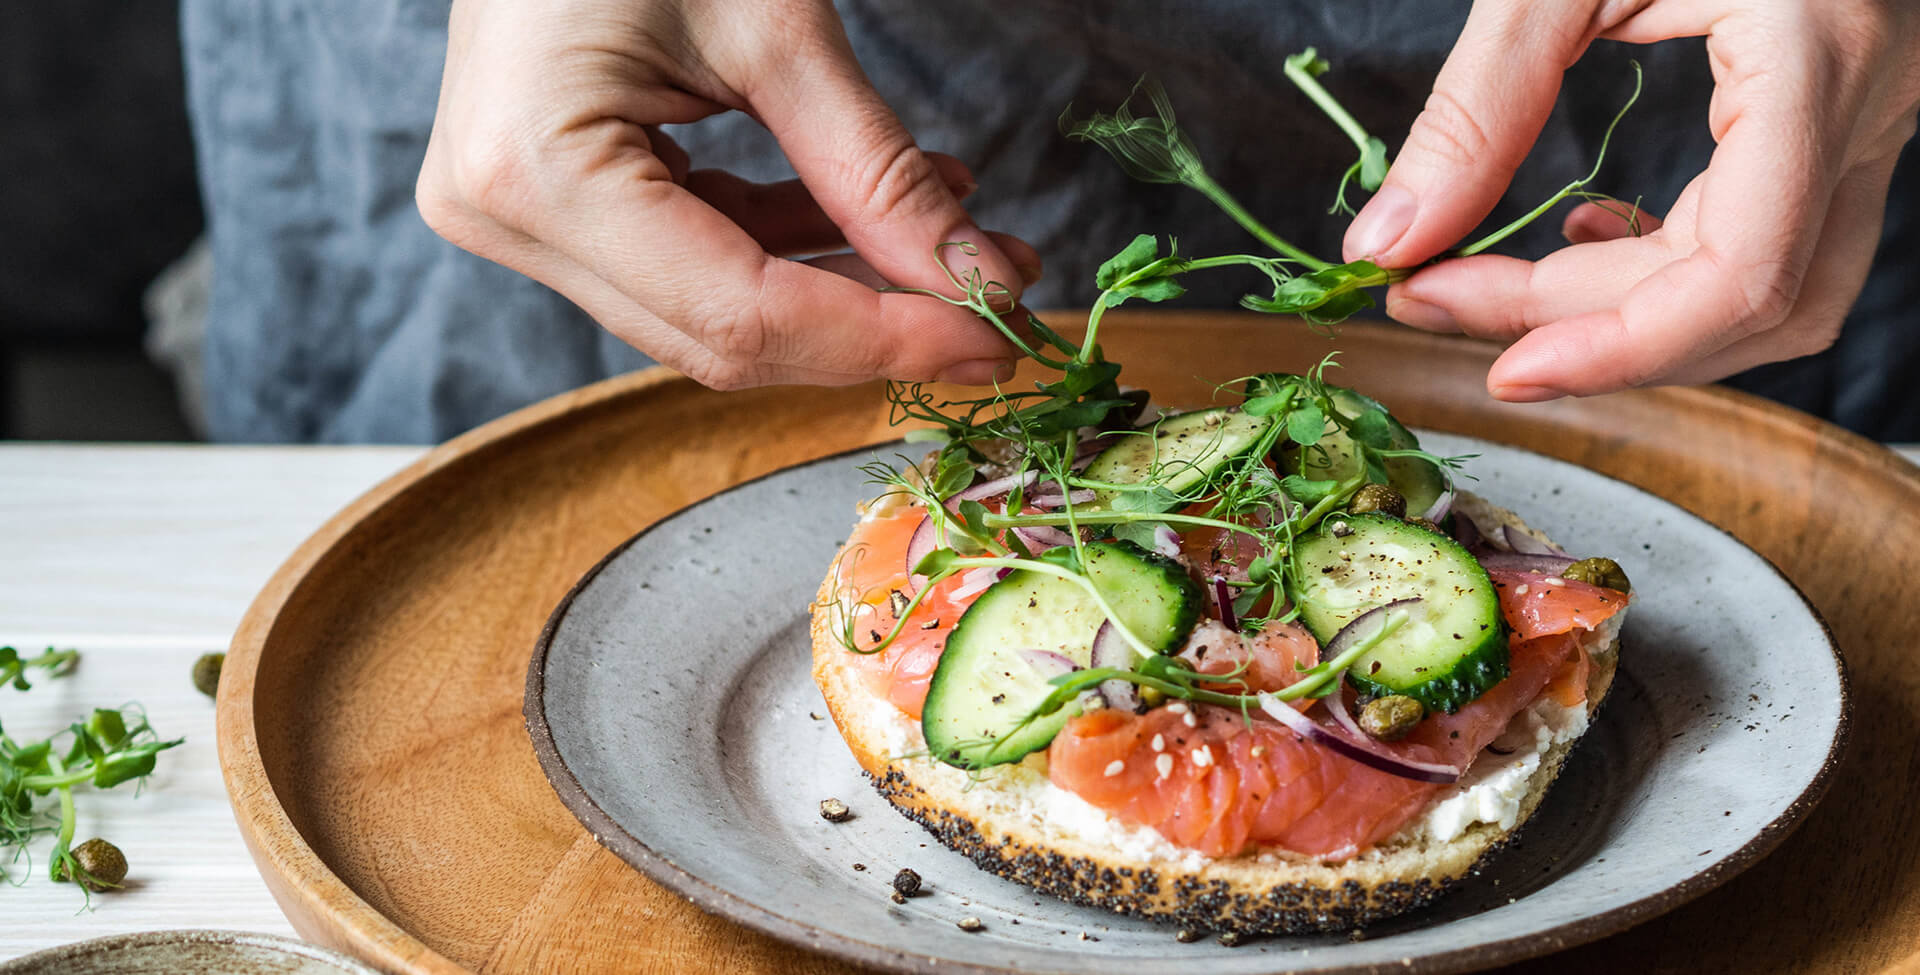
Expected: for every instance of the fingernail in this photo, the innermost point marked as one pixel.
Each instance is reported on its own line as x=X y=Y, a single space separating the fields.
x=1381 y=223
x=1525 y=394
x=962 y=190
x=976 y=372
x=1029 y=274
x=1420 y=315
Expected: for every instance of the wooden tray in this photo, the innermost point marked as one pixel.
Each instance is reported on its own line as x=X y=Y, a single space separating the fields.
x=370 y=725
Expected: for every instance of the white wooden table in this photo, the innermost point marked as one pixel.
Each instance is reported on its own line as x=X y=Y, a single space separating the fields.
x=143 y=558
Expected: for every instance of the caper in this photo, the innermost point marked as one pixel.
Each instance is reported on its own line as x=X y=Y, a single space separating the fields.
x=101 y=864
x=1599 y=572
x=1381 y=498
x=906 y=882
x=1390 y=718
x=1152 y=697
x=206 y=672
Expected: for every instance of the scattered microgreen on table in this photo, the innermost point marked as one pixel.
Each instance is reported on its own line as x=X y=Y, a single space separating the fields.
x=110 y=747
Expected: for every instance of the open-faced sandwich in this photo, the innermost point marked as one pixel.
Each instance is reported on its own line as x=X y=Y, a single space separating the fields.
x=1248 y=668
x=1259 y=667
x=1255 y=668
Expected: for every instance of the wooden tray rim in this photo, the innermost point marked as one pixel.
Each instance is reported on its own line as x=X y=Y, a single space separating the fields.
x=296 y=873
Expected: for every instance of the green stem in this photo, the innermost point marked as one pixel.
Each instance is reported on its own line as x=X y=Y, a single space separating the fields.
x=1577 y=185
x=1113 y=518
x=1225 y=201
x=64 y=841
x=1304 y=80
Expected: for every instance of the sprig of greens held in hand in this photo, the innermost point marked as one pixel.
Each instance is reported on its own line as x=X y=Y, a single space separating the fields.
x=110 y=747
x=1154 y=149
x=1042 y=450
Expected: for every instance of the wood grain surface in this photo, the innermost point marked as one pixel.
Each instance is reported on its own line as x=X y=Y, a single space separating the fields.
x=370 y=723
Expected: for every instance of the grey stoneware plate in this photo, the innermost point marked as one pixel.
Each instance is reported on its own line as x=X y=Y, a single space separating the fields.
x=671 y=705
x=199 y=951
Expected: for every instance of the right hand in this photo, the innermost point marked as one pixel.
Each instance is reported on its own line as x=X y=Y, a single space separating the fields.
x=546 y=157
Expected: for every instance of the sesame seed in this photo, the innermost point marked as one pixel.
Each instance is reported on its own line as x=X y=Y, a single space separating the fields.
x=1259 y=751
x=1520 y=590
x=1178 y=707
x=1159 y=743
x=1190 y=720
x=1203 y=756
x=1556 y=581
x=971 y=925
x=1163 y=765
x=1115 y=767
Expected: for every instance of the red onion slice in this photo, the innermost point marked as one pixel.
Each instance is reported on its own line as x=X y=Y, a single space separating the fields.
x=1049 y=663
x=1316 y=732
x=1466 y=531
x=1039 y=538
x=1428 y=771
x=1091 y=448
x=999 y=485
x=975 y=581
x=1166 y=541
x=917 y=548
x=1223 y=598
x=1441 y=505
x=1526 y=544
x=1551 y=565
x=1110 y=649
x=1056 y=500
x=1361 y=627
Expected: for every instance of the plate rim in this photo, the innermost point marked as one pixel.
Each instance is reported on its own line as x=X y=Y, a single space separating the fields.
x=1578 y=931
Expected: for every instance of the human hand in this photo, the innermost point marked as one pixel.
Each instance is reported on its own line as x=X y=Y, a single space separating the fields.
x=546 y=157
x=1760 y=257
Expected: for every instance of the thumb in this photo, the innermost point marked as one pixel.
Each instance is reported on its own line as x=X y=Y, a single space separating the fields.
x=871 y=179
x=1487 y=107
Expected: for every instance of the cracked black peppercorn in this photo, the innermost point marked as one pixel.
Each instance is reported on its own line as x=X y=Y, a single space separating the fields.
x=906 y=882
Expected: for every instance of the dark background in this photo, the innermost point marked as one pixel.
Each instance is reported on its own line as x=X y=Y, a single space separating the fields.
x=97 y=195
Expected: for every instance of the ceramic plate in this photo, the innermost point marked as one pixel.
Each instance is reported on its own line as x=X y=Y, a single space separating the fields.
x=671 y=705
x=206 y=951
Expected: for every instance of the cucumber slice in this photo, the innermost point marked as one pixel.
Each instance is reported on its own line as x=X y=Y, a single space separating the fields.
x=1454 y=647
x=1335 y=459
x=986 y=682
x=1183 y=450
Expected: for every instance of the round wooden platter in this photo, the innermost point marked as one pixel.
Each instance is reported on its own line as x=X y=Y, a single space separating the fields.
x=370 y=714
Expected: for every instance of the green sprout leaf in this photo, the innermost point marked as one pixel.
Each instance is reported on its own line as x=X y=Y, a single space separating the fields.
x=1140 y=252
x=1306 y=424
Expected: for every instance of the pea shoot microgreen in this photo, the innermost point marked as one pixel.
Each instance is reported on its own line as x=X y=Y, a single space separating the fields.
x=1040 y=441
x=109 y=747
x=13 y=667
x=1154 y=149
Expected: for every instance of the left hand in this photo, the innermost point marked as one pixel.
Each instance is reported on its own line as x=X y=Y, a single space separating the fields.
x=1760 y=257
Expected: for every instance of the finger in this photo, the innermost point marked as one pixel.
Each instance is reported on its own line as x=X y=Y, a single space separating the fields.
x=783 y=216
x=865 y=170
x=615 y=218
x=1746 y=271
x=1503 y=298
x=671 y=154
x=669 y=346
x=1487 y=107
x=1842 y=259
x=1592 y=222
